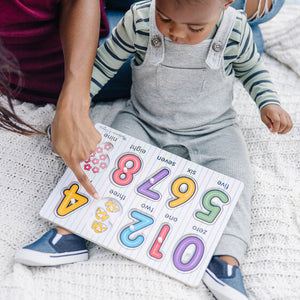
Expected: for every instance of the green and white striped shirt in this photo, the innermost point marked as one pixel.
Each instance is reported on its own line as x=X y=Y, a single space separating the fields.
x=131 y=36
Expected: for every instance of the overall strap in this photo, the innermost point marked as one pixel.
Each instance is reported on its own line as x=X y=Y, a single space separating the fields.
x=217 y=47
x=156 y=45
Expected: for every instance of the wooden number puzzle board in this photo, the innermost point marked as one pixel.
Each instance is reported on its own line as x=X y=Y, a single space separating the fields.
x=156 y=208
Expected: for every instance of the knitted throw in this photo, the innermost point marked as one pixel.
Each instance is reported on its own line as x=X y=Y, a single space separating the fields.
x=271 y=269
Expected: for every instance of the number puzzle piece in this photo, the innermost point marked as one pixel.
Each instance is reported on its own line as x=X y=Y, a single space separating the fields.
x=126 y=237
x=145 y=188
x=71 y=201
x=155 y=249
x=127 y=166
x=214 y=210
x=183 y=188
x=187 y=258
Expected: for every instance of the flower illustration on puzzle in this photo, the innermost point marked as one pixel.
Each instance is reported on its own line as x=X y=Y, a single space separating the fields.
x=98 y=161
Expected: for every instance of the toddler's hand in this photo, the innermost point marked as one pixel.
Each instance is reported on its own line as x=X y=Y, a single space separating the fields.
x=276 y=119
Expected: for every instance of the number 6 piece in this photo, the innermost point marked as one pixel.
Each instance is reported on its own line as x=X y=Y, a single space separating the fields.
x=155 y=207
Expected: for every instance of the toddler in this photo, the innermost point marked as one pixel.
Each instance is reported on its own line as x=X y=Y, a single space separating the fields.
x=187 y=54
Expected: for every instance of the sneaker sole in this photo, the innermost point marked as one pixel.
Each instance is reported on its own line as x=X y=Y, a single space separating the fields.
x=221 y=290
x=39 y=259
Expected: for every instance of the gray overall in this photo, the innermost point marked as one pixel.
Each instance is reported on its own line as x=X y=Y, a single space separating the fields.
x=181 y=101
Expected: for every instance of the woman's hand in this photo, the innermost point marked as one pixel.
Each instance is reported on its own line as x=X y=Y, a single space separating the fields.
x=74 y=137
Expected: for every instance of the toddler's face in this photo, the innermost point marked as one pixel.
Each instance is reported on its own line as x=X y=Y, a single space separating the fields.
x=188 y=22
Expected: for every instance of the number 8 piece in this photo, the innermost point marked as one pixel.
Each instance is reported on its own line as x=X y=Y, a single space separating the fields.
x=155 y=208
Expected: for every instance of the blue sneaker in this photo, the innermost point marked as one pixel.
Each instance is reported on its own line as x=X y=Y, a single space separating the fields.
x=224 y=281
x=53 y=249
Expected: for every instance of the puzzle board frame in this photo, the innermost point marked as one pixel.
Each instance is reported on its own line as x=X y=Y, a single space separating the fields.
x=155 y=207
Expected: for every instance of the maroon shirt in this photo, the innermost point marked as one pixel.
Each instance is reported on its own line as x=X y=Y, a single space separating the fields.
x=29 y=30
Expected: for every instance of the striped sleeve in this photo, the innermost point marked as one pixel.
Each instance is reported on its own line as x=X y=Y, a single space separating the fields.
x=241 y=56
x=129 y=37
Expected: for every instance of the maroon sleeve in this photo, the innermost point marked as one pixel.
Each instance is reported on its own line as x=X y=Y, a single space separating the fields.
x=104 y=26
x=30 y=31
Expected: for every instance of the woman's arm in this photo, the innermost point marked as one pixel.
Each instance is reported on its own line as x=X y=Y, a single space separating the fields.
x=73 y=134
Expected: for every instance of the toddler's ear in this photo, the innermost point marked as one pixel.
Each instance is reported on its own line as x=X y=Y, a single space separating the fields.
x=227 y=4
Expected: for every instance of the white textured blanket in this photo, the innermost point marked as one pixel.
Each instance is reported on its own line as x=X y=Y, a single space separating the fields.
x=28 y=173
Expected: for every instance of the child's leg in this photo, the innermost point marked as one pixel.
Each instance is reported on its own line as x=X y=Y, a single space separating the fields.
x=225 y=151
x=62 y=231
x=127 y=122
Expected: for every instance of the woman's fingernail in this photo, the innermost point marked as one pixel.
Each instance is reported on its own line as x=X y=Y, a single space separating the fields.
x=96 y=196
